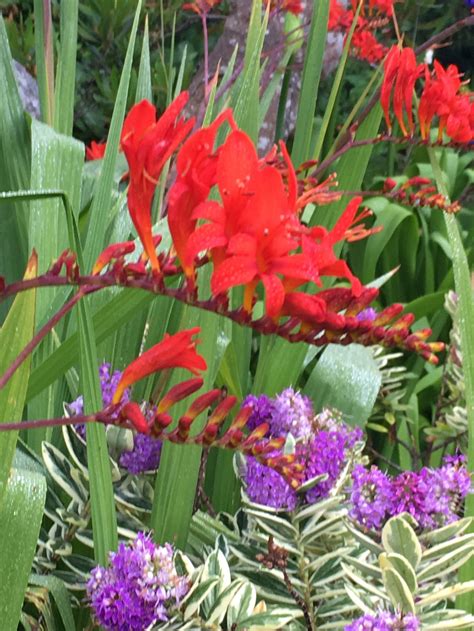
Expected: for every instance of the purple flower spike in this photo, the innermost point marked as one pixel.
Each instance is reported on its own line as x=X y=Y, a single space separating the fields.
x=371 y=497
x=266 y=486
x=384 y=621
x=145 y=455
x=293 y=413
x=262 y=410
x=138 y=589
x=108 y=385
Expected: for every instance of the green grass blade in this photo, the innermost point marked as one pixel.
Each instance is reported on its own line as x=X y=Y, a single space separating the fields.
x=66 y=68
x=15 y=333
x=312 y=68
x=336 y=86
x=144 y=71
x=462 y=283
x=103 y=196
x=14 y=170
x=20 y=519
x=44 y=51
x=61 y=597
x=177 y=477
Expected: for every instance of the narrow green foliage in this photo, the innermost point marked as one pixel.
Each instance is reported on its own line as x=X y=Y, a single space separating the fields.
x=103 y=195
x=179 y=466
x=144 y=70
x=14 y=170
x=66 y=68
x=44 y=50
x=313 y=65
x=462 y=281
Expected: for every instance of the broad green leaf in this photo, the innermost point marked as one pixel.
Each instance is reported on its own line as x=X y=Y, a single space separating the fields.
x=242 y=604
x=273 y=618
x=400 y=538
x=398 y=590
x=20 y=518
x=313 y=65
x=56 y=164
x=16 y=332
x=61 y=597
x=353 y=366
x=402 y=566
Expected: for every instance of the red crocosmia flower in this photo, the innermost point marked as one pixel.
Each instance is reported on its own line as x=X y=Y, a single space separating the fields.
x=319 y=244
x=311 y=310
x=400 y=75
x=291 y=6
x=366 y=47
x=201 y=7
x=253 y=233
x=148 y=143
x=174 y=351
x=96 y=150
x=441 y=97
x=196 y=167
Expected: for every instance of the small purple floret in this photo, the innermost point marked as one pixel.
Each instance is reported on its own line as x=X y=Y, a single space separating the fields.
x=384 y=621
x=139 y=588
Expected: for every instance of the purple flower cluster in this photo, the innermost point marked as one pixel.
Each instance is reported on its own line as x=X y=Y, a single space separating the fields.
x=138 y=589
x=145 y=455
x=384 y=621
x=431 y=496
x=323 y=444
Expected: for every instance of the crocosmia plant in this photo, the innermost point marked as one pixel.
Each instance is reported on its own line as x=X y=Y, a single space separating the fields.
x=236 y=316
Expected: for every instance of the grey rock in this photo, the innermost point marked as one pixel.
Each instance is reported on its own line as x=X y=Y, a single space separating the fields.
x=28 y=89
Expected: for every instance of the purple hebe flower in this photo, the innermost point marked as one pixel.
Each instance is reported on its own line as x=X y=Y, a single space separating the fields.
x=384 y=621
x=371 y=497
x=108 y=385
x=265 y=486
x=145 y=455
x=408 y=494
x=327 y=454
x=292 y=413
x=322 y=451
x=431 y=496
x=138 y=589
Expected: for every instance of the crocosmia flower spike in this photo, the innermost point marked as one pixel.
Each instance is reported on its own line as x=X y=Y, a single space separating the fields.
x=148 y=142
x=174 y=351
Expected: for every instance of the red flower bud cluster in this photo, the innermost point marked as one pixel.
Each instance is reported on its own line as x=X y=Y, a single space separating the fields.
x=419 y=191
x=442 y=97
x=201 y=7
x=374 y=15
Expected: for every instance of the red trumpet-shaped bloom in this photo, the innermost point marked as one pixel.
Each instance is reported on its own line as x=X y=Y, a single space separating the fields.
x=96 y=150
x=441 y=97
x=254 y=232
x=148 y=143
x=174 y=351
x=400 y=75
x=319 y=246
x=201 y=7
x=196 y=165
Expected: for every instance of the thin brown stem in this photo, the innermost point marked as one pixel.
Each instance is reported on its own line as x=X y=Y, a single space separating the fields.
x=100 y=417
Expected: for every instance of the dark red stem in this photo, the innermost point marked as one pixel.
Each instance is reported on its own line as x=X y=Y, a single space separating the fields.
x=42 y=333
